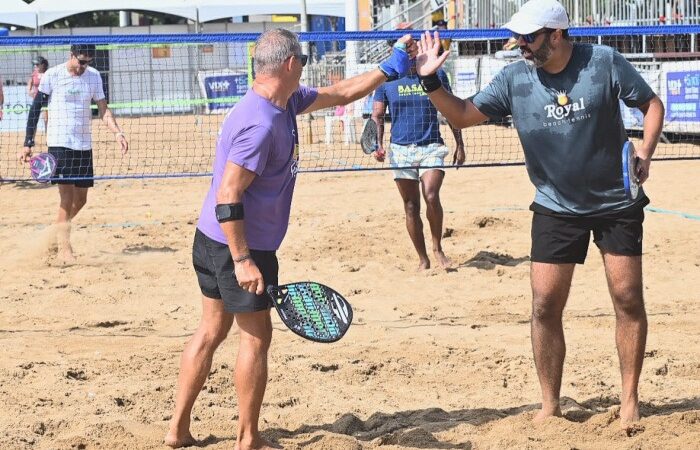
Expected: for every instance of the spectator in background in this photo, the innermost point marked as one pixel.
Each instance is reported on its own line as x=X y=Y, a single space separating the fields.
x=41 y=65
x=442 y=25
x=416 y=141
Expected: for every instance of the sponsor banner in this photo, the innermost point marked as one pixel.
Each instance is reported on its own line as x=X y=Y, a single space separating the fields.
x=680 y=92
x=16 y=109
x=222 y=89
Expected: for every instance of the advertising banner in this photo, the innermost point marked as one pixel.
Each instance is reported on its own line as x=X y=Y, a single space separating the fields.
x=222 y=89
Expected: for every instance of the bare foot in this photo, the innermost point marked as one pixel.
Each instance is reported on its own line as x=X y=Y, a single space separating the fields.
x=171 y=440
x=443 y=260
x=629 y=415
x=66 y=254
x=260 y=444
x=424 y=264
x=545 y=413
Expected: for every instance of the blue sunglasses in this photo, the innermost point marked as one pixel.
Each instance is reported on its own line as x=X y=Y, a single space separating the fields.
x=530 y=38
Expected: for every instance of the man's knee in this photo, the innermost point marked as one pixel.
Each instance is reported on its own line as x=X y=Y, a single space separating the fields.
x=259 y=341
x=547 y=307
x=212 y=337
x=629 y=302
x=432 y=197
x=411 y=207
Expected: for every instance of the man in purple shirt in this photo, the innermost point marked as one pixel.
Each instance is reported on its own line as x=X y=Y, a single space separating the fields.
x=245 y=217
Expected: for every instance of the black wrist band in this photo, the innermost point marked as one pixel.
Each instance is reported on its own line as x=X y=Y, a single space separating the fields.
x=430 y=83
x=228 y=212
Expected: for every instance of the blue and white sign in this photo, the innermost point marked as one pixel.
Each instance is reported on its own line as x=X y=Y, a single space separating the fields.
x=223 y=89
x=683 y=96
x=680 y=92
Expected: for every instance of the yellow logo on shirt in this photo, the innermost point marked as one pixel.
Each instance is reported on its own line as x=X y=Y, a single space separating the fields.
x=411 y=89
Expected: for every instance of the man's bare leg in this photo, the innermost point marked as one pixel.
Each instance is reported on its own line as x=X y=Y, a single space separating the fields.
x=79 y=200
x=432 y=182
x=251 y=377
x=63 y=222
x=410 y=194
x=195 y=365
x=550 y=290
x=624 y=275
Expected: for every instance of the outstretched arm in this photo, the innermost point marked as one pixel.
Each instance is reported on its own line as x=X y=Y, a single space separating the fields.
x=460 y=113
x=347 y=91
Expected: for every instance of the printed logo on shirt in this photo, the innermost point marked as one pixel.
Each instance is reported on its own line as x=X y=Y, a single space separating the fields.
x=411 y=89
x=562 y=111
x=295 y=154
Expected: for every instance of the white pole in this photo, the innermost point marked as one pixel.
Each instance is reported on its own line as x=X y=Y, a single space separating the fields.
x=124 y=18
x=304 y=27
x=351 y=24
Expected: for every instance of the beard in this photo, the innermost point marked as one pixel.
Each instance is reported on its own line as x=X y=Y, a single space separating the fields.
x=540 y=56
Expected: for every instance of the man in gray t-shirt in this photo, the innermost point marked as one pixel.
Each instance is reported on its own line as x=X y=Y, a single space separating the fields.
x=564 y=101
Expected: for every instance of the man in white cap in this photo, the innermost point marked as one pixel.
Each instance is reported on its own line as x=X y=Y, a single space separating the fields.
x=564 y=100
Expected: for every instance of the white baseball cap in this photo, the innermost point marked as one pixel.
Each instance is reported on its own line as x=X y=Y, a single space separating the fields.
x=537 y=14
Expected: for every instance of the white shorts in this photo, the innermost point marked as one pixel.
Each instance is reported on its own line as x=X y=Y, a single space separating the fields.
x=422 y=157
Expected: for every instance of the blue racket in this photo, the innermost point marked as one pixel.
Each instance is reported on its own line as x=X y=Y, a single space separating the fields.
x=312 y=310
x=629 y=171
x=42 y=167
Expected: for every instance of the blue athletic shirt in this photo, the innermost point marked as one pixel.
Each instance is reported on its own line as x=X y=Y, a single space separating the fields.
x=413 y=117
x=573 y=148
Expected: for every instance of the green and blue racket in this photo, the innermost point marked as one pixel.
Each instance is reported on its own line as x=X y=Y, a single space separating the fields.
x=312 y=310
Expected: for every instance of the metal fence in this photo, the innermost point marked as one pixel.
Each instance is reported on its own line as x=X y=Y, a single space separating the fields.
x=494 y=13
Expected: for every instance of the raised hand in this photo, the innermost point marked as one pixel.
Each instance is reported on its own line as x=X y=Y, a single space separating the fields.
x=427 y=60
x=411 y=45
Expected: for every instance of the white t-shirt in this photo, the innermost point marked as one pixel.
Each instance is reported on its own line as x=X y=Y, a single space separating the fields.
x=69 y=106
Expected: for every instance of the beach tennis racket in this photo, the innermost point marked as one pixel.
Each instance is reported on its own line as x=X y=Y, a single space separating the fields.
x=312 y=310
x=629 y=171
x=42 y=167
x=368 y=140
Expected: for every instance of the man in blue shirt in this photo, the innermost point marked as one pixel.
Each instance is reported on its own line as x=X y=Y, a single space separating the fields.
x=564 y=100
x=416 y=147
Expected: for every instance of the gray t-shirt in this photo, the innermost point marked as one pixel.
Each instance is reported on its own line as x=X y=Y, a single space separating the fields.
x=572 y=151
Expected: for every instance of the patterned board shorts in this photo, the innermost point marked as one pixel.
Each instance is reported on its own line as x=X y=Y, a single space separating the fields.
x=422 y=157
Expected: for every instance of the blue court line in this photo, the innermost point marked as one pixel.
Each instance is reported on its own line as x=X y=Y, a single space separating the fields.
x=648 y=208
x=675 y=213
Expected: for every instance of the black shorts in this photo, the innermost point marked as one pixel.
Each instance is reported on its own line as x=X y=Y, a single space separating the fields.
x=72 y=164
x=564 y=239
x=214 y=266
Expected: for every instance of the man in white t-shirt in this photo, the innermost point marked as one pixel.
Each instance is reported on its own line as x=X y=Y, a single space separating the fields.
x=71 y=87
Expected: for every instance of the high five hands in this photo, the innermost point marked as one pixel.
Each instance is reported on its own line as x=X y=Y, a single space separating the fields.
x=427 y=59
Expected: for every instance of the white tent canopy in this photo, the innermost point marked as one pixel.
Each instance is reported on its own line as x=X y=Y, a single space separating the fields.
x=203 y=10
x=16 y=12
x=51 y=10
x=220 y=9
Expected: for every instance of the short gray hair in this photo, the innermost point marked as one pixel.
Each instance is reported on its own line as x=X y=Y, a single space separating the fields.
x=272 y=48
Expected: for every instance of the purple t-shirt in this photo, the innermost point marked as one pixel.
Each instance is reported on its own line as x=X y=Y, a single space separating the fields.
x=263 y=138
